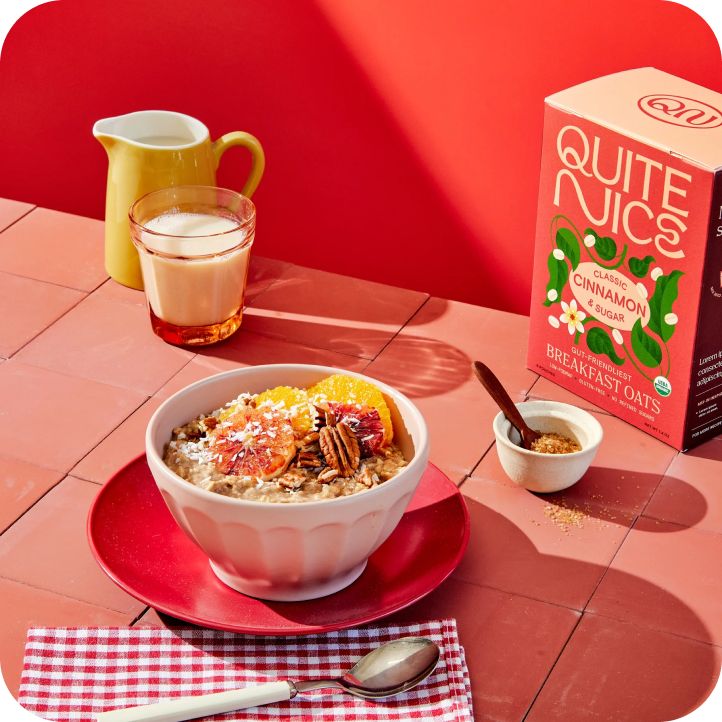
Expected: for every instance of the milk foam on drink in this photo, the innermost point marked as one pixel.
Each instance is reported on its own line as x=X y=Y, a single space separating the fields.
x=186 y=290
x=626 y=304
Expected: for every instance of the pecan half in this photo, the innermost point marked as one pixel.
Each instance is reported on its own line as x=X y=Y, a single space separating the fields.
x=340 y=448
x=327 y=476
x=210 y=422
x=308 y=460
x=324 y=417
x=291 y=481
x=350 y=443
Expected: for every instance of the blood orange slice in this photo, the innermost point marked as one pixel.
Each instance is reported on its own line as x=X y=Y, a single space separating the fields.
x=253 y=442
x=365 y=422
x=350 y=390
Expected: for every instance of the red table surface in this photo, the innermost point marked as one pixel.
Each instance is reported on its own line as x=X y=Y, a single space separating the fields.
x=616 y=615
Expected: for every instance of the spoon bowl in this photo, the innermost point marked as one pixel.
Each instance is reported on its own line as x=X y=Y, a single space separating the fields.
x=390 y=669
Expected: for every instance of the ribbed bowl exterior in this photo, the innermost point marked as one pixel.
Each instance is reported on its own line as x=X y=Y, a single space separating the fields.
x=285 y=552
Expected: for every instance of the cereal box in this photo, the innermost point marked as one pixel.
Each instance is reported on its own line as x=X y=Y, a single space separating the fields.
x=626 y=306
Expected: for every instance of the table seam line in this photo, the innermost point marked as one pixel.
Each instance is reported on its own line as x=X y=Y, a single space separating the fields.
x=476 y=466
x=669 y=466
x=324 y=348
x=152 y=396
x=272 y=284
x=65 y=596
x=137 y=619
x=302 y=343
x=113 y=430
x=551 y=669
x=654 y=629
x=32 y=506
x=51 y=283
x=113 y=298
x=535 y=397
x=40 y=333
x=518 y=594
x=681 y=526
x=609 y=566
x=620 y=621
x=403 y=326
x=590 y=502
x=68 y=475
x=77 y=599
x=536 y=380
x=24 y=215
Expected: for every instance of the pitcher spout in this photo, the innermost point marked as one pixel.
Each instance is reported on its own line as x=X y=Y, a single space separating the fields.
x=150 y=129
x=103 y=130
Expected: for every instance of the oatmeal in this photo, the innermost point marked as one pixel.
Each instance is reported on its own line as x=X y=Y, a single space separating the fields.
x=555 y=444
x=291 y=445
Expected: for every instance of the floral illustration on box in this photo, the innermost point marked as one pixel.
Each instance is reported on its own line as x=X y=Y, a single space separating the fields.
x=608 y=308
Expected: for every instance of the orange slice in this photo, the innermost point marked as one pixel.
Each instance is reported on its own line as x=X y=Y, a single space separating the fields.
x=293 y=401
x=350 y=390
x=253 y=442
x=233 y=407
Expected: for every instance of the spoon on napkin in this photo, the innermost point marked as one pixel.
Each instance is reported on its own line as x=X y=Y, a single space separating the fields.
x=390 y=669
x=504 y=402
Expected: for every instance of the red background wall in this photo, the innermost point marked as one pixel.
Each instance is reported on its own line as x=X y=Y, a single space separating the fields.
x=403 y=137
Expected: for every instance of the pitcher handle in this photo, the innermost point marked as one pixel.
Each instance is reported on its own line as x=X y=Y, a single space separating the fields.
x=258 y=158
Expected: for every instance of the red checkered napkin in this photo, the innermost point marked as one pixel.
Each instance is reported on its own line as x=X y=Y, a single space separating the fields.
x=72 y=674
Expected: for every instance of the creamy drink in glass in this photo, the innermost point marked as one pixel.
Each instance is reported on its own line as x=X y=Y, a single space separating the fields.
x=194 y=244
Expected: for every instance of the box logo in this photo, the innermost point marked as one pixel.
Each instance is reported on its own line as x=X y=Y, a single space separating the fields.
x=677 y=110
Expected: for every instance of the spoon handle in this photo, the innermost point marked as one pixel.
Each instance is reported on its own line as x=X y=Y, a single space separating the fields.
x=504 y=402
x=185 y=708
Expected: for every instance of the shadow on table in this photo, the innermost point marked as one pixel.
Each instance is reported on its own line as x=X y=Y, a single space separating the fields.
x=425 y=367
x=711 y=450
x=610 y=669
x=422 y=367
x=600 y=495
x=606 y=494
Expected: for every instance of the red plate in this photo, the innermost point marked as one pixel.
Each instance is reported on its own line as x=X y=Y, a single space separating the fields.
x=139 y=545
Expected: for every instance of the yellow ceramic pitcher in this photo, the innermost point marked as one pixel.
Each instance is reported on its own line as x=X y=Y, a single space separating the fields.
x=156 y=149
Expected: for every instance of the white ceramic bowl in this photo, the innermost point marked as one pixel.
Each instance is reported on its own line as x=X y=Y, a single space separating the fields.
x=547 y=472
x=284 y=552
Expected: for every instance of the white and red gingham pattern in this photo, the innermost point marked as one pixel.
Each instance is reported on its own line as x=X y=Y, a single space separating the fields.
x=72 y=674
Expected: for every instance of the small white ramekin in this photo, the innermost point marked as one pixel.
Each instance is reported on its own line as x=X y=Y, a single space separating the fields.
x=546 y=473
x=284 y=552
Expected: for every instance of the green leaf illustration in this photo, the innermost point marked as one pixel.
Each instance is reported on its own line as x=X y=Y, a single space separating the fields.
x=567 y=242
x=598 y=342
x=640 y=266
x=645 y=348
x=605 y=247
x=665 y=294
x=558 y=275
